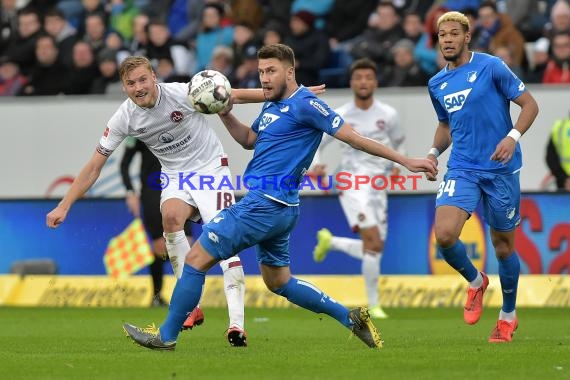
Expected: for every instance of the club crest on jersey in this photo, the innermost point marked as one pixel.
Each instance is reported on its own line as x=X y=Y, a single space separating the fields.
x=267 y=119
x=380 y=124
x=454 y=102
x=471 y=76
x=165 y=138
x=176 y=116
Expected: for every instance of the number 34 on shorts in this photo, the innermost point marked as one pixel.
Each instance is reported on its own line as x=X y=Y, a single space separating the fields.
x=446 y=187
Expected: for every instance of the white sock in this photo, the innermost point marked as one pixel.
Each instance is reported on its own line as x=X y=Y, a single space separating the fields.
x=477 y=282
x=352 y=247
x=371 y=273
x=509 y=317
x=234 y=287
x=178 y=247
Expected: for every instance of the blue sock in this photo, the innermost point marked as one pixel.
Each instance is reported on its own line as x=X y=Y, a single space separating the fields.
x=509 y=270
x=456 y=256
x=308 y=296
x=185 y=297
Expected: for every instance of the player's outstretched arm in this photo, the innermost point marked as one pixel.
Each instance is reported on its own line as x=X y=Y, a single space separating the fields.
x=441 y=141
x=255 y=95
x=348 y=135
x=247 y=95
x=80 y=185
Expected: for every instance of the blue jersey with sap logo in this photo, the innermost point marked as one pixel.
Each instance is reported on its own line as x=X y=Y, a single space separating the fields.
x=288 y=134
x=474 y=99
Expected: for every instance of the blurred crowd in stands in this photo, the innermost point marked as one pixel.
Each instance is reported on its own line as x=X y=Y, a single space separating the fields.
x=50 y=47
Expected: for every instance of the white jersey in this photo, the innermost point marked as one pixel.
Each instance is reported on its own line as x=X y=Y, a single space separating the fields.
x=379 y=122
x=174 y=132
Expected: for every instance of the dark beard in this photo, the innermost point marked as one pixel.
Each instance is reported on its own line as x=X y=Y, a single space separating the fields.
x=279 y=95
x=456 y=56
x=364 y=97
x=453 y=58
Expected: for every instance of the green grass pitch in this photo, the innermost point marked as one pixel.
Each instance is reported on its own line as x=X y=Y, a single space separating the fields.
x=287 y=344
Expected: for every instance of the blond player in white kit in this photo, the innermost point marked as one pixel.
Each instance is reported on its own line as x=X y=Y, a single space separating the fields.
x=365 y=208
x=159 y=115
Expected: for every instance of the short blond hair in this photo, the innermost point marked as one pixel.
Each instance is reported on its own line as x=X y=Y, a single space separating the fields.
x=131 y=63
x=456 y=17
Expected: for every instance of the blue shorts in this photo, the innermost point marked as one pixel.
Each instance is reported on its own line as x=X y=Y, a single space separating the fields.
x=500 y=195
x=254 y=220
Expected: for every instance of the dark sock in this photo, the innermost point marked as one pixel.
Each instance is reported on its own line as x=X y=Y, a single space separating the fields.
x=157 y=272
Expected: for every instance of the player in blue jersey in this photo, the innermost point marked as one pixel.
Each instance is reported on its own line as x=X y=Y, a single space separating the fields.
x=471 y=97
x=285 y=137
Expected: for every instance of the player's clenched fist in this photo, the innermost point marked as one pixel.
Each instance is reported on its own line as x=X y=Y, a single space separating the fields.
x=56 y=217
x=430 y=176
x=421 y=165
x=504 y=150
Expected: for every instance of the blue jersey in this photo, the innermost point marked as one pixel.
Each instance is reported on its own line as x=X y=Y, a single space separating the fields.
x=474 y=99
x=288 y=134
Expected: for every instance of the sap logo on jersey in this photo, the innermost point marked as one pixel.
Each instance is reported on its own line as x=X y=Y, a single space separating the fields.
x=267 y=119
x=454 y=102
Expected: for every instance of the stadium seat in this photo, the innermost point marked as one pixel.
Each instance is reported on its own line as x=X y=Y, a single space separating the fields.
x=335 y=74
x=34 y=266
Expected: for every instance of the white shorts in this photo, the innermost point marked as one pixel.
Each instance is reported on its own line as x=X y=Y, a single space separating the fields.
x=365 y=208
x=204 y=190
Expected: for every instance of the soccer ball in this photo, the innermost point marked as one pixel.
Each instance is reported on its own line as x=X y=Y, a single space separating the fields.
x=209 y=91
